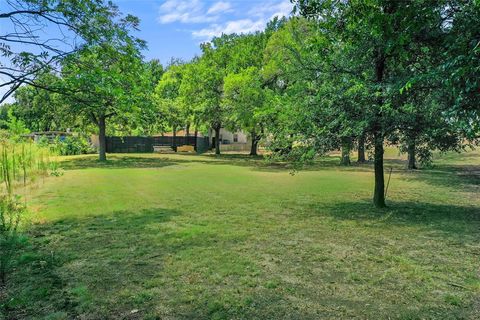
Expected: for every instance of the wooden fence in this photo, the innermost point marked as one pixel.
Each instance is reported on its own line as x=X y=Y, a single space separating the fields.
x=146 y=144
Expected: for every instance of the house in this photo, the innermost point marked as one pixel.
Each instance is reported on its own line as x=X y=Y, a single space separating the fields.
x=230 y=141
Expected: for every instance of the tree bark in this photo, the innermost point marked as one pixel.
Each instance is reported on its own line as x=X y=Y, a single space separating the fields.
x=196 y=137
x=361 y=149
x=187 y=132
x=217 y=140
x=3 y=277
x=174 y=139
x=379 y=192
x=346 y=146
x=411 y=156
x=253 y=149
x=102 y=141
x=378 y=134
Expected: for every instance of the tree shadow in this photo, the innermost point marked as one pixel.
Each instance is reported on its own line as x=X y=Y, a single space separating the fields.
x=70 y=258
x=106 y=266
x=457 y=156
x=263 y=163
x=257 y=163
x=138 y=162
x=116 y=162
x=454 y=220
x=465 y=177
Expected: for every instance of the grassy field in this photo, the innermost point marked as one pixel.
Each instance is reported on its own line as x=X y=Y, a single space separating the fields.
x=199 y=237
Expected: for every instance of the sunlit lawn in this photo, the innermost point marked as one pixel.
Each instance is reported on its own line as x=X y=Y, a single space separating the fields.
x=199 y=237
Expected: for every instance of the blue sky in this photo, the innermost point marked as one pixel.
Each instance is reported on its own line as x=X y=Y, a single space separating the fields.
x=175 y=28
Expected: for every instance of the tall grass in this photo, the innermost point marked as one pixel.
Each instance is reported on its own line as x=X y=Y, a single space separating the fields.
x=20 y=163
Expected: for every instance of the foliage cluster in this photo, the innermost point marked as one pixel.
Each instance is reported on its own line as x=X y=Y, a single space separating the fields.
x=68 y=146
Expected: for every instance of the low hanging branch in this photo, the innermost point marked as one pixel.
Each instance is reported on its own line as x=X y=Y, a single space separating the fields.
x=27 y=46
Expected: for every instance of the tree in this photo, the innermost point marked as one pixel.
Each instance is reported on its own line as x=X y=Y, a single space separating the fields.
x=43 y=110
x=167 y=97
x=211 y=76
x=290 y=72
x=191 y=96
x=245 y=98
x=38 y=34
x=457 y=73
x=147 y=121
x=424 y=126
x=106 y=82
x=155 y=70
x=244 y=78
x=202 y=88
x=375 y=40
x=16 y=127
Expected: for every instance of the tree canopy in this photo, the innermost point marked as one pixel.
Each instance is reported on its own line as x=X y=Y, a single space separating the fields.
x=38 y=34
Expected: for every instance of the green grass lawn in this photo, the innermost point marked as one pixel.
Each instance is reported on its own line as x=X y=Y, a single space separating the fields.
x=199 y=237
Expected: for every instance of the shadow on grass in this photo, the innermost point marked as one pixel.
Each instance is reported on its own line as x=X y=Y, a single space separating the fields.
x=106 y=266
x=457 y=156
x=103 y=267
x=116 y=162
x=458 y=177
x=69 y=259
x=260 y=163
x=456 y=221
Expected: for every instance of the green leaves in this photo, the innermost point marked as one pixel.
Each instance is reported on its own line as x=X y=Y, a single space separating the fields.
x=170 y=105
x=244 y=98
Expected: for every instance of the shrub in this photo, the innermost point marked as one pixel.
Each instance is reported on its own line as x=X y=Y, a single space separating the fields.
x=74 y=145
x=71 y=145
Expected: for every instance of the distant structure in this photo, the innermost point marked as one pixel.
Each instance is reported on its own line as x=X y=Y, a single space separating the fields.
x=230 y=141
x=50 y=135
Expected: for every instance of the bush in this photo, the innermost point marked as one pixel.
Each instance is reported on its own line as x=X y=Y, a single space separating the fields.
x=74 y=145
x=71 y=145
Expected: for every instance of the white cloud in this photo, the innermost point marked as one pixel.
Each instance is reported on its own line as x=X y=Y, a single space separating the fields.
x=214 y=18
x=220 y=7
x=272 y=9
x=258 y=17
x=282 y=9
x=192 y=11
x=235 y=26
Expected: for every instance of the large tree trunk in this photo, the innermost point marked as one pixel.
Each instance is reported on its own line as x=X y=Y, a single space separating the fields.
x=378 y=134
x=379 y=193
x=361 y=149
x=196 y=136
x=411 y=156
x=346 y=146
x=217 y=140
x=253 y=149
x=102 y=141
x=187 y=133
x=174 y=139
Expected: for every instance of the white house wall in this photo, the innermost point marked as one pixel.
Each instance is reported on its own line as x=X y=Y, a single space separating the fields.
x=242 y=138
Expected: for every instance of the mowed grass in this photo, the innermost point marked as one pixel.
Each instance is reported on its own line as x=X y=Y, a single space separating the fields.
x=200 y=237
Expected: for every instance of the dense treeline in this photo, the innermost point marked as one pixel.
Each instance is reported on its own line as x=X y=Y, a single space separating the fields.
x=337 y=75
